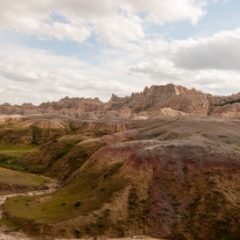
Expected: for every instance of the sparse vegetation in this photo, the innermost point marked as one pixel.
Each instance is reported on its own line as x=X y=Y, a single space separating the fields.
x=9 y=156
x=78 y=196
x=228 y=102
x=9 y=224
x=77 y=203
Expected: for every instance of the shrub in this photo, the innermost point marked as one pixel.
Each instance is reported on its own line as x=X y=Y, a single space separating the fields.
x=77 y=204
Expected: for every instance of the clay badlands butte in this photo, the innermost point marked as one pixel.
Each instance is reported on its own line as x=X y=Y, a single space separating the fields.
x=164 y=163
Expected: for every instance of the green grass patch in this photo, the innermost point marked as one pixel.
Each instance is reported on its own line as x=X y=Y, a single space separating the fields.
x=9 y=156
x=9 y=224
x=16 y=151
x=16 y=148
x=19 y=178
x=88 y=191
x=8 y=161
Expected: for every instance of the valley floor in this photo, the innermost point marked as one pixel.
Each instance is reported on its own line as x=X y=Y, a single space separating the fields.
x=18 y=235
x=4 y=234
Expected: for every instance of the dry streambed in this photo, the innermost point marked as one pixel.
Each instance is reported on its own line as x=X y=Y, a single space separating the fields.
x=53 y=186
x=19 y=236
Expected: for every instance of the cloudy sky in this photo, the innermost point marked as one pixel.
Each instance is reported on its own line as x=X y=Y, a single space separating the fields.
x=87 y=48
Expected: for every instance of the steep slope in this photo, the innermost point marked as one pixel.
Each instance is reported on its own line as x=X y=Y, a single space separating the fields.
x=158 y=97
x=61 y=157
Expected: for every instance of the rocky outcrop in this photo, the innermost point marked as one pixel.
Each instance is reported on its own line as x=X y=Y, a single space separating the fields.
x=24 y=109
x=158 y=97
x=168 y=112
x=70 y=107
x=151 y=100
x=227 y=111
x=223 y=100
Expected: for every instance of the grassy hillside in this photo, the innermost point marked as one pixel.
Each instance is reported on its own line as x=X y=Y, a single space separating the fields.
x=70 y=201
x=11 y=177
x=11 y=135
x=9 y=156
x=61 y=157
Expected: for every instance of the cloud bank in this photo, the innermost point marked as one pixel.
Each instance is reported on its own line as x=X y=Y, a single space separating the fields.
x=120 y=48
x=114 y=22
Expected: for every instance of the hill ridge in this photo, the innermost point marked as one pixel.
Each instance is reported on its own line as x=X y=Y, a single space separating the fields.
x=151 y=100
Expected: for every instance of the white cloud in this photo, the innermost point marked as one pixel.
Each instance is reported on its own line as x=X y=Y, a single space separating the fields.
x=40 y=76
x=21 y=70
x=206 y=63
x=220 y=51
x=161 y=71
x=114 y=22
x=119 y=30
x=62 y=31
x=210 y=64
x=160 y=12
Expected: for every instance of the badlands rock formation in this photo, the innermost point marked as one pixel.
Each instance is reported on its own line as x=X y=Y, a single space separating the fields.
x=72 y=107
x=158 y=97
x=164 y=162
x=147 y=103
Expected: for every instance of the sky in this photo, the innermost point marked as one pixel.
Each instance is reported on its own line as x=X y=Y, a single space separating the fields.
x=50 y=49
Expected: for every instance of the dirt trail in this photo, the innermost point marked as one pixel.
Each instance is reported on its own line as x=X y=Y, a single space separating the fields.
x=52 y=186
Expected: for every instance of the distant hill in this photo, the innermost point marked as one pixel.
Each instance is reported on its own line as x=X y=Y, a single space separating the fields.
x=148 y=102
